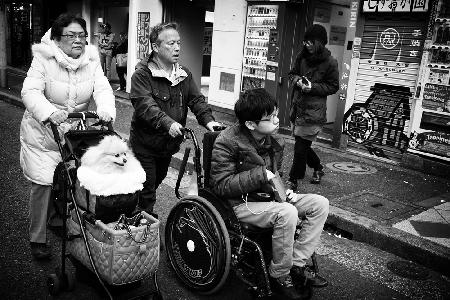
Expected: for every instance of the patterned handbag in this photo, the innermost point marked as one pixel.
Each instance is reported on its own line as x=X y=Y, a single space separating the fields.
x=121 y=256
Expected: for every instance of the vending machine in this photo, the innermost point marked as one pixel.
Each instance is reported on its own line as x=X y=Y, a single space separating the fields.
x=272 y=35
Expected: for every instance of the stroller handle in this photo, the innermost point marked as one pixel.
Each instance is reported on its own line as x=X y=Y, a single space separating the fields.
x=77 y=115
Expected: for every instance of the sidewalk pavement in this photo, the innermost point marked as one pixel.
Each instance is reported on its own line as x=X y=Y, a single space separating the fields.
x=375 y=201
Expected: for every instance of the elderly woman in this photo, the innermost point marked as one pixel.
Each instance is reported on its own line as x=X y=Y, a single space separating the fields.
x=64 y=75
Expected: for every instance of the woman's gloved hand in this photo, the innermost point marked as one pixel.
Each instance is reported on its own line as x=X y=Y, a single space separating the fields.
x=104 y=116
x=58 y=117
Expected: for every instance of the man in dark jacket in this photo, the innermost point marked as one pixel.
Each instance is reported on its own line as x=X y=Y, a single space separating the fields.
x=315 y=76
x=161 y=93
x=245 y=158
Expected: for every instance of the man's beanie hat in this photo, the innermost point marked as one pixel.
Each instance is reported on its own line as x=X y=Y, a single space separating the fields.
x=316 y=32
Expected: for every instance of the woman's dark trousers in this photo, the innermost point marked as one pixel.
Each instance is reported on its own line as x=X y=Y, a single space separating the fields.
x=303 y=155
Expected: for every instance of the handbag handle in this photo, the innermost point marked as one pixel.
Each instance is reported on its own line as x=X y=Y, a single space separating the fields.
x=124 y=223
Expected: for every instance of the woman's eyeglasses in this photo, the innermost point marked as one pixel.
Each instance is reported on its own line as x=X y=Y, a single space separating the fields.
x=308 y=43
x=74 y=36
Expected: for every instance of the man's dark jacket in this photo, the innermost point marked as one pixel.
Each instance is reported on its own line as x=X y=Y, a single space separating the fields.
x=157 y=105
x=239 y=163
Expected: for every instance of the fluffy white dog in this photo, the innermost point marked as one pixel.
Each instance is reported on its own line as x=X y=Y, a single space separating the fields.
x=110 y=168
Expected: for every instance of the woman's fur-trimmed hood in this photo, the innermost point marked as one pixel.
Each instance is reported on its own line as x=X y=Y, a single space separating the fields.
x=47 y=49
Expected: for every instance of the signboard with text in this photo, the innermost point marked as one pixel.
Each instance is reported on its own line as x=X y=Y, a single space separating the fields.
x=395 y=5
x=143 y=35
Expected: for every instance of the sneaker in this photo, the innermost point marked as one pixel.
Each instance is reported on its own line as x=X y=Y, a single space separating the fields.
x=291 y=185
x=303 y=276
x=317 y=176
x=40 y=251
x=285 y=287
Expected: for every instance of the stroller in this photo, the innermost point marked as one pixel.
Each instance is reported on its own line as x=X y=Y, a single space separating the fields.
x=121 y=254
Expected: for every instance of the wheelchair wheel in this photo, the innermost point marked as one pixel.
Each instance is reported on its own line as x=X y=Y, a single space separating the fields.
x=198 y=245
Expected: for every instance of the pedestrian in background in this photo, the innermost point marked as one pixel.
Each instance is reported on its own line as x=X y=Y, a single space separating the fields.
x=121 y=54
x=64 y=76
x=161 y=92
x=105 y=45
x=315 y=76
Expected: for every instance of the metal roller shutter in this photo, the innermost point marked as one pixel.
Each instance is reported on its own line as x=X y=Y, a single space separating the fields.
x=391 y=50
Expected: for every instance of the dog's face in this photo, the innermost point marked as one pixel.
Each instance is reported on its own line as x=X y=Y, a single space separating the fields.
x=119 y=158
x=108 y=156
x=115 y=150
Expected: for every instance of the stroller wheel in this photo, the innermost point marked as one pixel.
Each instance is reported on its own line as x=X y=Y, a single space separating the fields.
x=70 y=280
x=53 y=284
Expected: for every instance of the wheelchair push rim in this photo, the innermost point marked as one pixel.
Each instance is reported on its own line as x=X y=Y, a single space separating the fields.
x=198 y=245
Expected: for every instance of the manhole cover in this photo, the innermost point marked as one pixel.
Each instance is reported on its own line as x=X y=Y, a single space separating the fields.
x=351 y=167
x=408 y=269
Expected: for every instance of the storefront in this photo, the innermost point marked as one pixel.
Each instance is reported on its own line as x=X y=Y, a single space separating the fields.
x=386 y=59
x=430 y=128
x=255 y=44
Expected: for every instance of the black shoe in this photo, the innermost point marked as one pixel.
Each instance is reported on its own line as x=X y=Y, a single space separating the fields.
x=304 y=276
x=40 y=251
x=285 y=287
x=317 y=176
x=291 y=185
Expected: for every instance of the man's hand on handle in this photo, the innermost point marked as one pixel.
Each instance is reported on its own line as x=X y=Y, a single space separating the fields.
x=175 y=129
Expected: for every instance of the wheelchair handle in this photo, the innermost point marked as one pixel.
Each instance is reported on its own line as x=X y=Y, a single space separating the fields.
x=197 y=154
x=189 y=133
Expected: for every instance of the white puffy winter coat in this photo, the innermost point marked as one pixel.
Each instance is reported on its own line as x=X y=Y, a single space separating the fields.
x=56 y=81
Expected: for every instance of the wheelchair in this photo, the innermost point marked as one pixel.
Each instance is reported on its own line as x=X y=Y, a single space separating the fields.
x=205 y=240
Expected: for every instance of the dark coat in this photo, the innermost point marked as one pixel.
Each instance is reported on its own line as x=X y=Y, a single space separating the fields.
x=157 y=105
x=311 y=108
x=239 y=163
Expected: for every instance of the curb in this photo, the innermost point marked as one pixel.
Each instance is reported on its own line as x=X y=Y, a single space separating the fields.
x=14 y=100
x=393 y=240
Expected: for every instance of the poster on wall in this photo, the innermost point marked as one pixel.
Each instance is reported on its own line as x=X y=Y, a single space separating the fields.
x=227 y=82
x=207 y=41
x=337 y=35
x=143 y=35
x=322 y=14
x=436 y=97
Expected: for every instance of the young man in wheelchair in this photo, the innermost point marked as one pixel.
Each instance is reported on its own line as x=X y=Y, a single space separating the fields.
x=245 y=159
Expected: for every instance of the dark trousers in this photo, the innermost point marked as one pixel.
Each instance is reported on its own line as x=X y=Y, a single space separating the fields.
x=155 y=170
x=121 y=74
x=303 y=155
